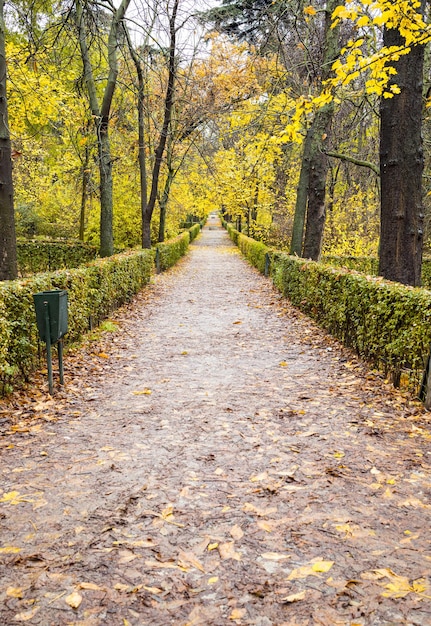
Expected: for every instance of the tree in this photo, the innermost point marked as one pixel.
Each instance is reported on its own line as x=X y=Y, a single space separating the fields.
x=101 y=112
x=8 y=262
x=401 y=167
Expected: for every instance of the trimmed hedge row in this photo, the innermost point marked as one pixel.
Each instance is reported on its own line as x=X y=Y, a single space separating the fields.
x=386 y=323
x=169 y=252
x=47 y=256
x=94 y=291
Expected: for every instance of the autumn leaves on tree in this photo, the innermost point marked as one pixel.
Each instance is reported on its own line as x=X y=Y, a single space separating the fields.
x=270 y=117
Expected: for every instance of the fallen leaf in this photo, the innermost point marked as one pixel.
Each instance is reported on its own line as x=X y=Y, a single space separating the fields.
x=144 y=392
x=189 y=558
x=283 y=364
x=212 y=580
x=312 y=569
x=275 y=556
x=322 y=566
x=26 y=615
x=10 y=550
x=14 y=592
x=154 y=590
x=237 y=614
x=74 y=600
x=227 y=551
x=294 y=597
x=90 y=586
x=238 y=322
x=236 y=532
x=103 y=355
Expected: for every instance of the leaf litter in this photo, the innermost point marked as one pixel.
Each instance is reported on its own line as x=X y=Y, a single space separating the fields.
x=267 y=478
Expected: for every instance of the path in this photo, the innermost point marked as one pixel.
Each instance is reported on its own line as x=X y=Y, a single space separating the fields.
x=217 y=460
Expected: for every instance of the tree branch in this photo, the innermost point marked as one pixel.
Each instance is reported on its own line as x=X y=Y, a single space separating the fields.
x=349 y=159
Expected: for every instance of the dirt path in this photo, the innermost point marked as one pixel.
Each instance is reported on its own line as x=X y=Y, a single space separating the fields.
x=216 y=460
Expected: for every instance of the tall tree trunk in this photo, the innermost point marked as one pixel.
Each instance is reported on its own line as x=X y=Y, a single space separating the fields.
x=158 y=154
x=314 y=167
x=401 y=167
x=84 y=192
x=8 y=263
x=164 y=203
x=140 y=103
x=301 y=198
x=101 y=117
x=318 y=171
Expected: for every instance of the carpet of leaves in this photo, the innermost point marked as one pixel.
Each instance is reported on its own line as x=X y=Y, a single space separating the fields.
x=214 y=458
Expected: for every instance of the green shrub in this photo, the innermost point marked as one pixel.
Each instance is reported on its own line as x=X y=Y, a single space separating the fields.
x=94 y=291
x=387 y=323
x=45 y=256
x=254 y=251
x=169 y=252
x=194 y=231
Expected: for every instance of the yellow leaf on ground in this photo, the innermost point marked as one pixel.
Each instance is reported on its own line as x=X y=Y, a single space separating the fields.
x=322 y=566
x=154 y=590
x=313 y=569
x=294 y=597
x=143 y=392
x=90 y=586
x=10 y=550
x=14 y=592
x=212 y=546
x=268 y=527
x=212 y=580
x=237 y=614
x=26 y=615
x=283 y=364
x=103 y=355
x=250 y=508
x=74 y=600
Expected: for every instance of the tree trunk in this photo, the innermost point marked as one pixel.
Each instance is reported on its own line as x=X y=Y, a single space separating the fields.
x=84 y=192
x=158 y=154
x=164 y=203
x=318 y=171
x=301 y=199
x=101 y=117
x=8 y=262
x=401 y=167
x=142 y=158
x=314 y=167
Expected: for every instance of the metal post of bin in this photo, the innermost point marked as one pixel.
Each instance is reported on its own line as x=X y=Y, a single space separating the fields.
x=48 y=348
x=52 y=322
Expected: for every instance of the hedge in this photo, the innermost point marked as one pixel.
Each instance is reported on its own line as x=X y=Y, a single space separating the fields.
x=94 y=291
x=45 y=256
x=386 y=323
x=169 y=252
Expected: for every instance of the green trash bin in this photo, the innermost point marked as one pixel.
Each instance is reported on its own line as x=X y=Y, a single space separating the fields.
x=56 y=301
